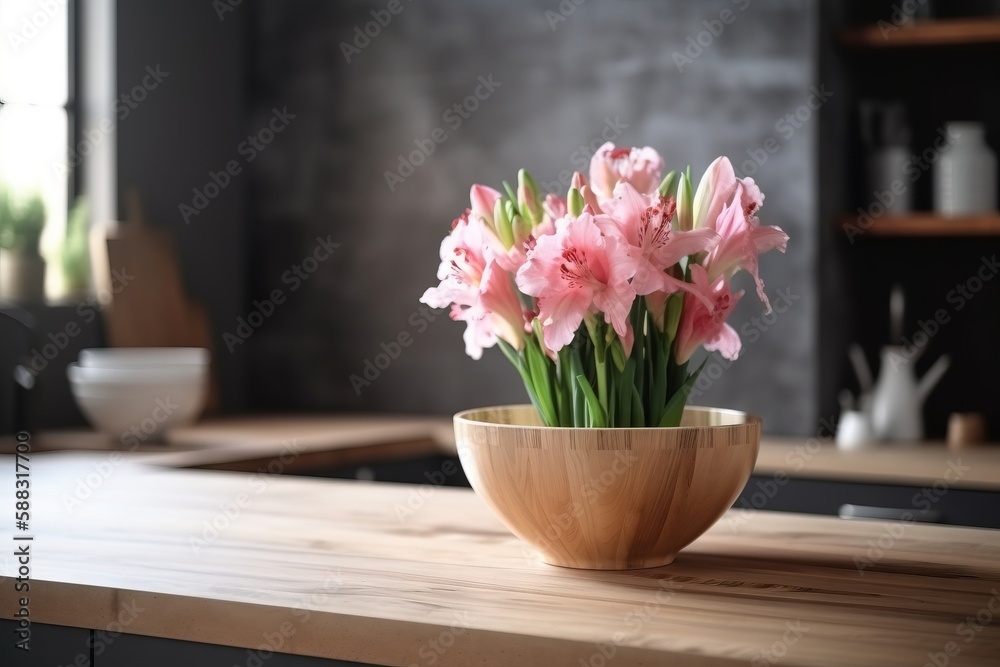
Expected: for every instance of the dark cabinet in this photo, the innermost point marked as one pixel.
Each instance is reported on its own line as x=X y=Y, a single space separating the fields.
x=56 y=646
x=963 y=507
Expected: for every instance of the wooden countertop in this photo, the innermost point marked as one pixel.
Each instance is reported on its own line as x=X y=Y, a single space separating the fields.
x=909 y=465
x=346 y=571
x=334 y=441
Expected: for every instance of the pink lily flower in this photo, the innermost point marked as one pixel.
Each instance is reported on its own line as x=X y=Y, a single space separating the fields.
x=743 y=239
x=478 y=291
x=574 y=273
x=462 y=264
x=483 y=199
x=642 y=223
x=706 y=325
x=717 y=188
x=513 y=258
x=554 y=206
x=582 y=185
x=640 y=167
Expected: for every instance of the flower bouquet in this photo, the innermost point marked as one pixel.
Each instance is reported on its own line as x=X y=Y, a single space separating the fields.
x=601 y=299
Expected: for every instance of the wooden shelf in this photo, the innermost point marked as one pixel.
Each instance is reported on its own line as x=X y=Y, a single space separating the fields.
x=982 y=30
x=922 y=224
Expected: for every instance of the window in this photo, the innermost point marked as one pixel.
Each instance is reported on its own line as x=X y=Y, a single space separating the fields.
x=37 y=114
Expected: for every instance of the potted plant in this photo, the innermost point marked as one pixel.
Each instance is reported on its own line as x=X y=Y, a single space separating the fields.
x=74 y=254
x=600 y=300
x=22 y=269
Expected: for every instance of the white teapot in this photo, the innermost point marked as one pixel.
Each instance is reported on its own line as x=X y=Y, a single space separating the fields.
x=898 y=399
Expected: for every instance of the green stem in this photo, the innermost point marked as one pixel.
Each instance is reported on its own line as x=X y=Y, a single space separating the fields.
x=602 y=376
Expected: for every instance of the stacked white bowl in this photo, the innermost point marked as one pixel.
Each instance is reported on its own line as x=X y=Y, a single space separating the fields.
x=137 y=394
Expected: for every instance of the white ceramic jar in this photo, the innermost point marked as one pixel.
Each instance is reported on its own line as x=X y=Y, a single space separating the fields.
x=965 y=177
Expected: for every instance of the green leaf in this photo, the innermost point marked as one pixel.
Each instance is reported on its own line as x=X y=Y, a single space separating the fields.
x=638 y=414
x=625 y=393
x=538 y=369
x=597 y=417
x=674 y=410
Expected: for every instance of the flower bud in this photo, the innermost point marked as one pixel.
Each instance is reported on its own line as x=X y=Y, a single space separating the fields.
x=501 y=222
x=527 y=198
x=521 y=230
x=483 y=199
x=684 y=217
x=574 y=202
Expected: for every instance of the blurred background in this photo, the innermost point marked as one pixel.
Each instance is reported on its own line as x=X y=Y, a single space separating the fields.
x=292 y=166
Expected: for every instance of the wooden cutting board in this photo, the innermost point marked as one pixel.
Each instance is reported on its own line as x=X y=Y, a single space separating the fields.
x=149 y=306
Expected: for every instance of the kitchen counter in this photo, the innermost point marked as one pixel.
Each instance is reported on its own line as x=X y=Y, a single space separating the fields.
x=249 y=443
x=402 y=575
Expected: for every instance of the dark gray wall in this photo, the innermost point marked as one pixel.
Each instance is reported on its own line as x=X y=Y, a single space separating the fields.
x=606 y=60
x=191 y=124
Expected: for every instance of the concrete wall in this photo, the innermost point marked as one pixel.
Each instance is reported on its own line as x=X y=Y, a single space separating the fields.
x=564 y=79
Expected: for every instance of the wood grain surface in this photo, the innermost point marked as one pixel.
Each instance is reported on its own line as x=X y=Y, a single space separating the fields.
x=349 y=439
x=419 y=575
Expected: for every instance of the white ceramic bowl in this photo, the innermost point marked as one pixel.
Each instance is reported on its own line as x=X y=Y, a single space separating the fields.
x=181 y=374
x=143 y=357
x=136 y=406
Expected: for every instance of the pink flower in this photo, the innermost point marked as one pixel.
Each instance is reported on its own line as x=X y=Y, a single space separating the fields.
x=583 y=187
x=495 y=313
x=742 y=240
x=511 y=259
x=706 y=325
x=717 y=188
x=478 y=291
x=554 y=206
x=640 y=167
x=642 y=222
x=574 y=273
x=462 y=264
x=498 y=298
x=483 y=200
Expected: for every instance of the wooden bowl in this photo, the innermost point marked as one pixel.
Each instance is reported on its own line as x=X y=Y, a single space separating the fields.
x=607 y=498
